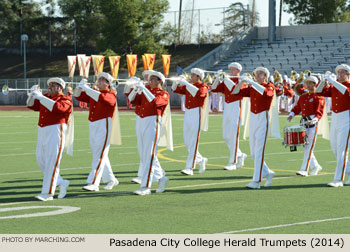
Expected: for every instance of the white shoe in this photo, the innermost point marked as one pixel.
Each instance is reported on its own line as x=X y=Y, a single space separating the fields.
x=111 y=184
x=253 y=185
x=269 y=179
x=348 y=182
x=202 y=165
x=143 y=191
x=44 y=197
x=335 y=183
x=63 y=189
x=302 y=173
x=230 y=167
x=91 y=187
x=315 y=170
x=137 y=180
x=241 y=160
x=187 y=171
x=162 y=184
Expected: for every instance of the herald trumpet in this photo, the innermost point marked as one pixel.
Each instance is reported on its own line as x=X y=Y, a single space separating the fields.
x=5 y=89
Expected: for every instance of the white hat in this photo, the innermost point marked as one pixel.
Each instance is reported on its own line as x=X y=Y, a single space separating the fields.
x=147 y=72
x=107 y=76
x=264 y=69
x=199 y=72
x=311 y=78
x=342 y=66
x=235 y=65
x=57 y=80
x=157 y=74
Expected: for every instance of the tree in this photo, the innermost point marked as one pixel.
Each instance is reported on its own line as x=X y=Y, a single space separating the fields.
x=239 y=18
x=318 y=11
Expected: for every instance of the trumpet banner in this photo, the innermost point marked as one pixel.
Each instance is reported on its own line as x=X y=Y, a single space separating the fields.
x=145 y=66
x=323 y=125
x=166 y=134
x=98 y=61
x=86 y=60
x=131 y=60
x=150 y=59
x=166 y=64
x=80 y=63
x=116 y=136
x=72 y=60
x=114 y=64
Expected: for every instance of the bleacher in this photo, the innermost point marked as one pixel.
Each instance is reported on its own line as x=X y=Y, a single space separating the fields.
x=319 y=54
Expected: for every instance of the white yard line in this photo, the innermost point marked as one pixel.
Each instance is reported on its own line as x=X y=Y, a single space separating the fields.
x=286 y=225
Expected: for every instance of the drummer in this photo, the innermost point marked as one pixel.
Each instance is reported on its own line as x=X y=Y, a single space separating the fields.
x=311 y=107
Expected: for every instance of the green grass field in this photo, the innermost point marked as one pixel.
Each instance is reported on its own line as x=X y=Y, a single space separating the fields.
x=213 y=202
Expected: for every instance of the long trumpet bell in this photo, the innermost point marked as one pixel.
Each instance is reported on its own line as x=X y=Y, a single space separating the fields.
x=5 y=89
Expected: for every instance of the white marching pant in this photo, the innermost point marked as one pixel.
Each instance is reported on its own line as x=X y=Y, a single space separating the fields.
x=328 y=104
x=183 y=100
x=100 y=132
x=339 y=138
x=258 y=130
x=231 y=122
x=139 y=145
x=150 y=128
x=310 y=160
x=191 y=132
x=49 y=149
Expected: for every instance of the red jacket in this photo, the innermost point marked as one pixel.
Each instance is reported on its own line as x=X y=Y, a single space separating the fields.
x=258 y=102
x=196 y=101
x=340 y=102
x=310 y=104
x=103 y=108
x=288 y=91
x=156 y=107
x=60 y=111
x=229 y=97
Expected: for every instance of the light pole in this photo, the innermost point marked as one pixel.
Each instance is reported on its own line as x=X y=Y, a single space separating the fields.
x=24 y=38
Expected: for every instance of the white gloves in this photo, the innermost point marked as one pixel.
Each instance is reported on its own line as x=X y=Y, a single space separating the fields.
x=37 y=95
x=82 y=84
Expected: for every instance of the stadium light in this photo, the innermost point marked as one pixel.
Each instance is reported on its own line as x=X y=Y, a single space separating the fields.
x=24 y=38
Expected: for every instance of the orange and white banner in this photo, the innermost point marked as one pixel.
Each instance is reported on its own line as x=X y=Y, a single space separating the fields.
x=98 y=61
x=72 y=60
x=150 y=59
x=166 y=64
x=131 y=60
x=114 y=64
x=86 y=60
x=145 y=65
x=80 y=63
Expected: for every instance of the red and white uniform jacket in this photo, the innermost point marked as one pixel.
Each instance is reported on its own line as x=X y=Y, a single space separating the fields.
x=258 y=102
x=310 y=104
x=229 y=97
x=288 y=91
x=103 y=108
x=340 y=102
x=60 y=111
x=198 y=100
x=156 y=107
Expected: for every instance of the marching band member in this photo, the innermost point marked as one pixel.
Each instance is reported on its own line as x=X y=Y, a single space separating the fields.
x=102 y=103
x=127 y=90
x=259 y=123
x=288 y=94
x=231 y=120
x=196 y=93
x=311 y=106
x=340 y=123
x=54 y=111
x=152 y=100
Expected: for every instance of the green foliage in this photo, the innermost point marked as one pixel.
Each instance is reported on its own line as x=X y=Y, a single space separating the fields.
x=318 y=11
x=108 y=52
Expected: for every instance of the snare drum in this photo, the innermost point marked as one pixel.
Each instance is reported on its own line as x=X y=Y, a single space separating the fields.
x=294 y=135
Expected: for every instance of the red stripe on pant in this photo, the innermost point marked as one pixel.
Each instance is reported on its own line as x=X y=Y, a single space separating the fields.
x=237 y=136
x=311 y=149
x=58 y=158
x=103 y=149
x=263 y=153
x=153 y=150
x=199 y=130
x=345 y=157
